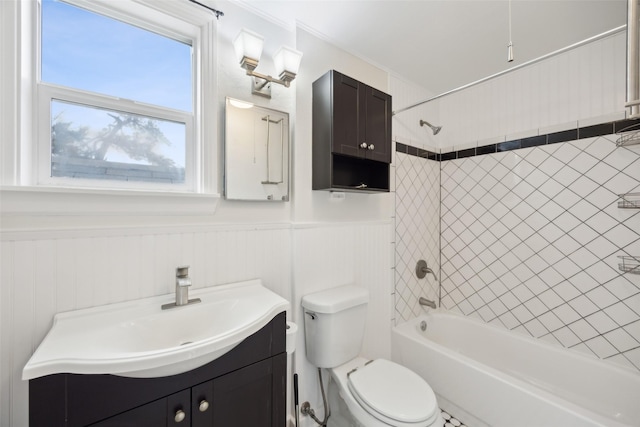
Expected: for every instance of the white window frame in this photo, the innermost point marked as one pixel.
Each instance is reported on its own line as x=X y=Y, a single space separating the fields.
x=25 y=152
x=48 y=93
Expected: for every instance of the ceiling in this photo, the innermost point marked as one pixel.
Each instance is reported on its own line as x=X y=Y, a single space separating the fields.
x=444 y=44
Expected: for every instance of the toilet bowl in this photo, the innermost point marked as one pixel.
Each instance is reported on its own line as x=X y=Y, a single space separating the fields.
x=381 y=393
x=376 y=393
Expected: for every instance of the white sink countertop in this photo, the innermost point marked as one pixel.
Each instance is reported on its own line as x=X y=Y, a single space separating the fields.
x=139 y=339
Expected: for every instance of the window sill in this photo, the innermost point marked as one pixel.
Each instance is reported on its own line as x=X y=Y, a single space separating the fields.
x=68 y=202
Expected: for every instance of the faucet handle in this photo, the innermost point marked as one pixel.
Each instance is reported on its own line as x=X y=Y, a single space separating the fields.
x=182 y=271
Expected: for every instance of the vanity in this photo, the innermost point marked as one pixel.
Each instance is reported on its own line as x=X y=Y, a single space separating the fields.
x=149 y=386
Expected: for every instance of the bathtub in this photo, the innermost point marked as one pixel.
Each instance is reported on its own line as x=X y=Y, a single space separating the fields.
x=502 y=378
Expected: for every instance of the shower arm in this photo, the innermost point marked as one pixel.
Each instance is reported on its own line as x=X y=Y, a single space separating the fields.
x=435 y=129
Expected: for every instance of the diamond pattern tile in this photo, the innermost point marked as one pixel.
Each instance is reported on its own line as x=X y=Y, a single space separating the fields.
x=530 y=240
x=418 y=184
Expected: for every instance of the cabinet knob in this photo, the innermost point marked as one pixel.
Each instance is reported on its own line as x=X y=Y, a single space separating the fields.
x=363 y=145
x=180 y=416
x=371 y=147
x=204 y=405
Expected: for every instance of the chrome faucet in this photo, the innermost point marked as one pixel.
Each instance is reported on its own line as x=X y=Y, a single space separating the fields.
x=427 y=302
x=422 y=269
x=183 y=281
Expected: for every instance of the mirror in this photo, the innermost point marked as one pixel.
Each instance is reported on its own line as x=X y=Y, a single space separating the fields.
x=256 y=152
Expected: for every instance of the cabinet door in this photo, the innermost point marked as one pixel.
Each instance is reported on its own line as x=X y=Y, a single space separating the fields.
x=159 y=413
x=347 y=116
x=202 y=405
x=245 y=397
x=377 y=133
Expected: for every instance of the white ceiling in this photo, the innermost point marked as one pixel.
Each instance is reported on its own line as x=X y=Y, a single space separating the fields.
x=444 y=44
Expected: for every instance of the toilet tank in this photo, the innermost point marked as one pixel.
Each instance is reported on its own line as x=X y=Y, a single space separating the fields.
x=334 y=322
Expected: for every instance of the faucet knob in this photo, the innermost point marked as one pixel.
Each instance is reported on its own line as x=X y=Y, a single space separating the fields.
x=182 y=271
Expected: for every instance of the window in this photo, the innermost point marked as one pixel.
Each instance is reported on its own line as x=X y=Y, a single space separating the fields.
x=51 y=161
x=116 y=101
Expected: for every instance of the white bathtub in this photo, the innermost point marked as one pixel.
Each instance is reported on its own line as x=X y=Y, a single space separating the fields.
x=503 y=378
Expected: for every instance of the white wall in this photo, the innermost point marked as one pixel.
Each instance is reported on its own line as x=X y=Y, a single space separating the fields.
x=60 y=262
x=406 y=124
x=312 y=206
x=584 y=83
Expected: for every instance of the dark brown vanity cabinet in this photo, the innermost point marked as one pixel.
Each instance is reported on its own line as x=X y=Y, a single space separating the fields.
x=245 y=387
x=351 y=135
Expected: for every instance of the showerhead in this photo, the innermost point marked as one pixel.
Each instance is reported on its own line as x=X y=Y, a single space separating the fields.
x=435 y=129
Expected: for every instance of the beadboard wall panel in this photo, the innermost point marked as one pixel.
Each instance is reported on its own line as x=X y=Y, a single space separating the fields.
x=342 y=254
x=406 y=125
x=583 y=83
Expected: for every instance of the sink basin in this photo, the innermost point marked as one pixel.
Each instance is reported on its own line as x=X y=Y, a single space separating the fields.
x=139 y=339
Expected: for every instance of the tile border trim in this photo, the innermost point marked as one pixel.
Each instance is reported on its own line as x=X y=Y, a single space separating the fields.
x=578 y=133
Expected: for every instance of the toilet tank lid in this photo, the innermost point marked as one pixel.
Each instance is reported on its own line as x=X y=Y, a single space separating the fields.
x=335 y=299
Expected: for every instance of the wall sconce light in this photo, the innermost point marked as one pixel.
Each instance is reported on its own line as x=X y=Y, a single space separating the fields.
x=248 y=46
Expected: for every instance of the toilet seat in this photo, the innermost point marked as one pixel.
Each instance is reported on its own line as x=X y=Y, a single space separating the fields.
x=392 y=393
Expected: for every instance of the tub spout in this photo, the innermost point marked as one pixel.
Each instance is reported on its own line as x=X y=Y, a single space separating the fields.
x=423 y=301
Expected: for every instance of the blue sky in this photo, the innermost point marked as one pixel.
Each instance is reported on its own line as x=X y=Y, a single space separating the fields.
x=88 y=51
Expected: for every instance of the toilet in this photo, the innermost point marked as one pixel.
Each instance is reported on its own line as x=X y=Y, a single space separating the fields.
x=376 y=393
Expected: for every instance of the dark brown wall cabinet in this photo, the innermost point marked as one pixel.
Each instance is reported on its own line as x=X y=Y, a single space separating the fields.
x=351 y=135
x=245 y=387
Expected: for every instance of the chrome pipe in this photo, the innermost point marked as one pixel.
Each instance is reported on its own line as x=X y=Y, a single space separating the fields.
x=517 y=67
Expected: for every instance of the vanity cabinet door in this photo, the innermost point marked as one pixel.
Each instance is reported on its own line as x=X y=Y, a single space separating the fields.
x=252 y=396
x=171 y=411
x=202 y=405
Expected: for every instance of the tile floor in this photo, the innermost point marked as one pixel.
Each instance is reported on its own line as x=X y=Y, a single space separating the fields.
x=451 y=421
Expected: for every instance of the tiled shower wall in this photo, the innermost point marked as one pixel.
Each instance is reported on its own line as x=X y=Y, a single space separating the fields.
x=417 y=232
x=531 y=239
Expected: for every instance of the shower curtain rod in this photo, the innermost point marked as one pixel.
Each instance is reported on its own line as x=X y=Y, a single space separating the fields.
x=216 y=12
x=517 y=67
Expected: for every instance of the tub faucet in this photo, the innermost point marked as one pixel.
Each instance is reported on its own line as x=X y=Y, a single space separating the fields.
x=422 y=269
x=183 y=282
x=427 y=302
